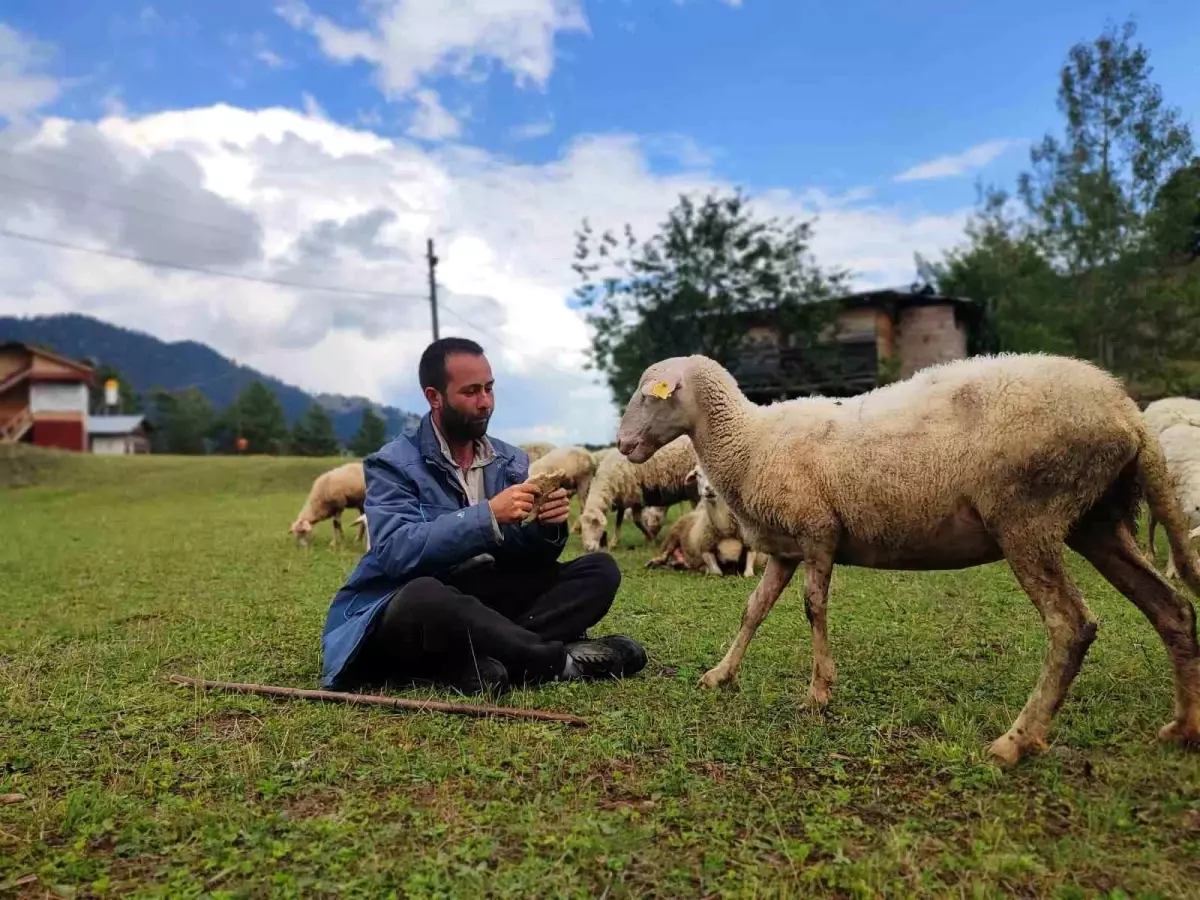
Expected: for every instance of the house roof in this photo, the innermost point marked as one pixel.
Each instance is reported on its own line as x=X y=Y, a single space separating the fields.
x=84 y=369
x=114 y=425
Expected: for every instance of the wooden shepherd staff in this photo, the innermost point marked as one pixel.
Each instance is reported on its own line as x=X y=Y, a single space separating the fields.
x=466 y=709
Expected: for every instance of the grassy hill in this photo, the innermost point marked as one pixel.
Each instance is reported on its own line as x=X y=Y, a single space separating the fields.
x=117 y=572
x=148 y=363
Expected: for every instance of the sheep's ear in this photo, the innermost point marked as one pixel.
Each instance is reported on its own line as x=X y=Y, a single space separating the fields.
x=670 y=377
x=690 y=477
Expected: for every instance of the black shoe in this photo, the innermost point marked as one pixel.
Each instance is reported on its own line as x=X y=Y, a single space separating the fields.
x=591 y=659
x=633 y=655
x=482 y=675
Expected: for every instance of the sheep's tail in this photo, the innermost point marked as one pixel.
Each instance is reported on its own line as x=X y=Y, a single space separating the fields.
x=1164 y=506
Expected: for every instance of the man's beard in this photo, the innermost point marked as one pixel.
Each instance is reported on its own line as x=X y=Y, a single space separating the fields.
x=460 y=427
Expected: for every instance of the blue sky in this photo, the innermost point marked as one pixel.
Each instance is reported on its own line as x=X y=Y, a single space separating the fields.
x=502 y=118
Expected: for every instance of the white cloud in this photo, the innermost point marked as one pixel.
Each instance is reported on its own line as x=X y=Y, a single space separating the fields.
x=955 y=164
x=281 y=194
x=432 y=121
x=533 y=130
x=409 y=40
x=23 y=87
x=270 y=58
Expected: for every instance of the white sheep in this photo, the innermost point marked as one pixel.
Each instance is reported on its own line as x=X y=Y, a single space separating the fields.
x=621 y=485
x=1162 y=414
x=1181 y=447
x=333 y=491
x=576 y=462
x=706 y=537
x=962 y=464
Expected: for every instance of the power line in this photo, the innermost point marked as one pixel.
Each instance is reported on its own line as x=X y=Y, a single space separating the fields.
x=278 y=282
x=117 y=204
x=491 y=336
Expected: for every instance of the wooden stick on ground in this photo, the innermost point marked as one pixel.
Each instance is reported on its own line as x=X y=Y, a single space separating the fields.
x=466 y=709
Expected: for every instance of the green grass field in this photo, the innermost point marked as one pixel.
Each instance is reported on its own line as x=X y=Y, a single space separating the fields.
x=115 y=573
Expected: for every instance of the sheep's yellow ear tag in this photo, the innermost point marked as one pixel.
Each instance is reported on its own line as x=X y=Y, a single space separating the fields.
x=661 y=390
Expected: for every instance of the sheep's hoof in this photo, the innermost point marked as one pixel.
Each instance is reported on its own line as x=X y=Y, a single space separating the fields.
x=714 y=678
x=1177 y=731
x=1008 y=749
x=818 y=697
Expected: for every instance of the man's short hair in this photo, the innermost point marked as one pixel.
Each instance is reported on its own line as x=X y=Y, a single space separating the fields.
x=432 y=369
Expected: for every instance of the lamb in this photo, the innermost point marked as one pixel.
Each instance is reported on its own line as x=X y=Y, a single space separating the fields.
x=990 y=458
x=339 y=489
x=1181 y=448
x=621 y=485
x=577 y=465
x=705 y=537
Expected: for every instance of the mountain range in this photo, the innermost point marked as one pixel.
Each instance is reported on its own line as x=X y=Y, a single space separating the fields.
x=146 y=363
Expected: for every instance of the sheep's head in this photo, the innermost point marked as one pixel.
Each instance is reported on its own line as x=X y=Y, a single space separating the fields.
x=658 y=412
x=653 y=518
x=704 y=488
x=302 y=530
x=593 y=530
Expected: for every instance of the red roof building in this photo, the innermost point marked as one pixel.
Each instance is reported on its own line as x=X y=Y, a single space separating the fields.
x=43 y=398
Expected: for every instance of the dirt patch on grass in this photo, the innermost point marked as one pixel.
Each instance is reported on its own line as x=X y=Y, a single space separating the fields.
x=316 y=804
x=229 y=725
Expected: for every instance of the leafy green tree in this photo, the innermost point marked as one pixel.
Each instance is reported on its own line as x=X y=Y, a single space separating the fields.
x=371 y=434
x=257 y=416
x=313 y=434
x=689 y=287
x=1092 y=192
x=1090 y=265
x=182 y=421
x=129 y=401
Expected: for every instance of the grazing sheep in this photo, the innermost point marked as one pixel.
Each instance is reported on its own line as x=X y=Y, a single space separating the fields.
x=964 y=463
x=706 y=536
x=536 y=450
x=332 y=492
x=577 y=465
x=1181 y=447
x=1162 y=414
x=620 y=485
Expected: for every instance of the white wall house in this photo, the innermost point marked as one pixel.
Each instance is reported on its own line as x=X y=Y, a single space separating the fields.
x=117 y=435
x=55 y=397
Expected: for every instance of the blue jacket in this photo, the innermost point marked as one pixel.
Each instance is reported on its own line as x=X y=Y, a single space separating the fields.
x=421 y=523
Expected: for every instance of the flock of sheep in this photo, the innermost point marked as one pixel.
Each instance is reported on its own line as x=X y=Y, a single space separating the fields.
x=707 y=538
x=1005 y=457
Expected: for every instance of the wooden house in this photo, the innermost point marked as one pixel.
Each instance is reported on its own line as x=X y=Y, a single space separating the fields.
x=43 y=398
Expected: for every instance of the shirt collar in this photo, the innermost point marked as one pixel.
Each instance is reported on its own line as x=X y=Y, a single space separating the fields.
x=484 y=451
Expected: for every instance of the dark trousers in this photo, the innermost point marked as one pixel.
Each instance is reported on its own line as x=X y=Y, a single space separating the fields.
x=431 y=629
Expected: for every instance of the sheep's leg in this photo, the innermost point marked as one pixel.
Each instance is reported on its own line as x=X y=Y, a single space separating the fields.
x=748 y=572
x=1150 y=535
x=337 y=529
x=776 y=577
x=816 y=596
x=1171 y=572
x=670 y=547
x=710 y=563
x=1115 y=555
x=636 y=516
x=619 y=518
x=1071 y=627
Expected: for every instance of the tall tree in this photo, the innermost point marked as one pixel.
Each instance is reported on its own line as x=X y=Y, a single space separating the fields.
x=256 y=416
x=182 y=419
x=1092 y=190
x=687 y=289
x=371 y=434
x=313 y=434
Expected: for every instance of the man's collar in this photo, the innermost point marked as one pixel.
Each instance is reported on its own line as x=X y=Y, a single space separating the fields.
x=484 y=452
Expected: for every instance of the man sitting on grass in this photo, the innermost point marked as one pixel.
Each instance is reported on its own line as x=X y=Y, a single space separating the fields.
x=455 y=590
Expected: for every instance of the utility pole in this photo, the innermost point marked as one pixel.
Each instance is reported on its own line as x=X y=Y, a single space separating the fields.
x=433 y=261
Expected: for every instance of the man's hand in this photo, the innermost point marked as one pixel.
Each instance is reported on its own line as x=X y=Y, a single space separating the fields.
x=555 y=507
x=512 y=504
